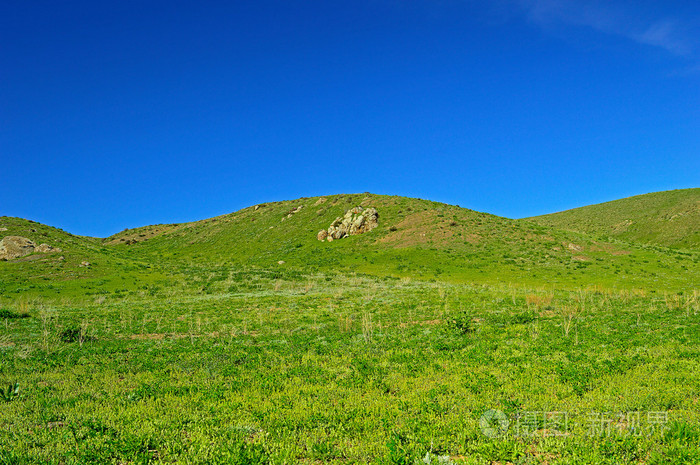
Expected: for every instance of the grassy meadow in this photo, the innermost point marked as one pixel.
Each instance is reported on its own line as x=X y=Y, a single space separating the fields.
x=486 y=341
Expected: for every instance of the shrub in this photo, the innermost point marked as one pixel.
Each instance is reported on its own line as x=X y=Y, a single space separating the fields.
x=74 y=334
x=461 y=323
x=4 y=313
x=11 y=393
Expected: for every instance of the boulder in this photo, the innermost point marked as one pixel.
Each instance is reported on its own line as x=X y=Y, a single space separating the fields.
x=46 y=248
x=12 y=247
x=356 y=221
x=322 y=235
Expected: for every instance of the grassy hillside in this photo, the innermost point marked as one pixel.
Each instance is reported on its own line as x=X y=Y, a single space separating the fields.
x=670 y=218
x=415 y=238
x=82 y=267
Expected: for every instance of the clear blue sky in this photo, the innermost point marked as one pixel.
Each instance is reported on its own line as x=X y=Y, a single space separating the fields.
x=124 y=113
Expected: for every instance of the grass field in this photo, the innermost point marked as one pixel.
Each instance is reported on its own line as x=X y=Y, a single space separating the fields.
x=192 y=345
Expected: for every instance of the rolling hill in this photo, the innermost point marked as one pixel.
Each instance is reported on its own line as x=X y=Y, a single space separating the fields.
x=670 y=218
x=415 y=238
x=79 y=264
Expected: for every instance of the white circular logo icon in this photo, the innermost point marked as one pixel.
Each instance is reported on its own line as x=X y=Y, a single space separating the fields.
x=493 y=423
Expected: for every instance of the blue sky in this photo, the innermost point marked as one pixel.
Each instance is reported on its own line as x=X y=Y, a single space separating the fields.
x=121 y=114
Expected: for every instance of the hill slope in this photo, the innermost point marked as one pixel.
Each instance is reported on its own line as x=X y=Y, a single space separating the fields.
x=82 y=266
x=415 y=238
x=670 y=218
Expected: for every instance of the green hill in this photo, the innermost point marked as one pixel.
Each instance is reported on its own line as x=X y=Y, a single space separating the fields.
x=670 y=218
x=80 y=265
x=415 y=238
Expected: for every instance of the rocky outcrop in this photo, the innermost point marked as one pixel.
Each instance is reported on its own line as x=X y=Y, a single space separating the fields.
x=12 y=247
x=355 y=221
x=46 y=248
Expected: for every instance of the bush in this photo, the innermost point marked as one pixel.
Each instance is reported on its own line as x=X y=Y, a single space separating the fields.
x=461 y=323
x=74 y=334
x=4 y=313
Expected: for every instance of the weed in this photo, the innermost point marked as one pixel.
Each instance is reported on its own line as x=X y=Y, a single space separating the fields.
x=9 y=314
x=11 y=393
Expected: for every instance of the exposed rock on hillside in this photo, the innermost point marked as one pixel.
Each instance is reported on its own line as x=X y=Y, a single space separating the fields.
x=293 y=211
x=15 y=246
x=46 y=248
x=12 y=247
x=356 y=221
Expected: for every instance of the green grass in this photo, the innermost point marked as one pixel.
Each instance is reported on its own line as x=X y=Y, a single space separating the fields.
x=189 y=343
x=416 y=238
x=61 y=275
x=670 y=219
x=351 y=370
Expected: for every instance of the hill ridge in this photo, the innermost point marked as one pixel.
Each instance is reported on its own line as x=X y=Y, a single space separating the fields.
x=415 y=238
x=666 y=218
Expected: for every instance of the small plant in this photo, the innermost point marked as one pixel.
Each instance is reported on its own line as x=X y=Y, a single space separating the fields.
x=435 y=459
x=70 y=335
x=75 y=334
x=367 y=327
x=461 y=323
x=9 y=314
x=524 y=317
x=11 y=393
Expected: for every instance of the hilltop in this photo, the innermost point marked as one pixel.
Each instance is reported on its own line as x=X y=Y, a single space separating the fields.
x=670 y=218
